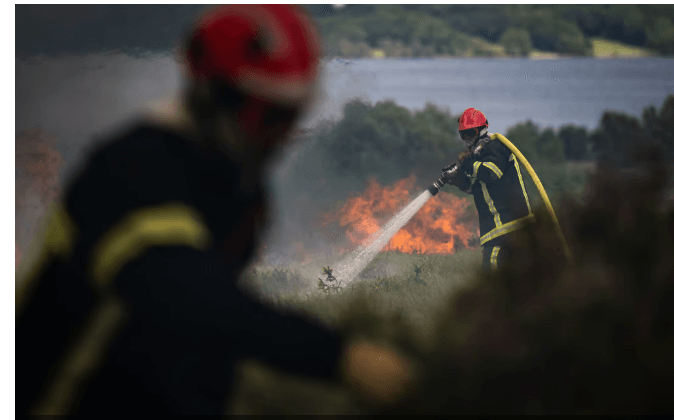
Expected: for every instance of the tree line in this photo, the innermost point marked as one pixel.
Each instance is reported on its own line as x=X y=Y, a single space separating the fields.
x=390 y=142
x=453 y=29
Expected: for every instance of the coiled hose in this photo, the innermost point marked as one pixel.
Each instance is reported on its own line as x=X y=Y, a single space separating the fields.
x=541 y=190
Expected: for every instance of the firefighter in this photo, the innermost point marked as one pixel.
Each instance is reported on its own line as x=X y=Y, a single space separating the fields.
x=128 y=303
x=492 y=174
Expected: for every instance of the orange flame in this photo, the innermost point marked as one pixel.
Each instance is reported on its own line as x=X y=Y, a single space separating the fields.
x=438 y=228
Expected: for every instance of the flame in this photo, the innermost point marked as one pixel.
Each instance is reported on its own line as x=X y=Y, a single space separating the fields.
x=438 y=228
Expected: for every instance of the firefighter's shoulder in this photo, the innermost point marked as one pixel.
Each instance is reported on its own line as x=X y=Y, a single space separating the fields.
x=140 y=166
x=137 y=190
x=495 y=148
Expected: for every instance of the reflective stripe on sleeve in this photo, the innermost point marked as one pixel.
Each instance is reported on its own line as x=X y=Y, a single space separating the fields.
x=494 y=168
x=164 y=225
x=55 y=240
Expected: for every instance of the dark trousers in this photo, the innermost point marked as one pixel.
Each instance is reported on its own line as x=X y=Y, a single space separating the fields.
x=495 y=253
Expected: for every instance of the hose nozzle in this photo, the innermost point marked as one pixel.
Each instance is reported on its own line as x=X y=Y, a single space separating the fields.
x=445 y=178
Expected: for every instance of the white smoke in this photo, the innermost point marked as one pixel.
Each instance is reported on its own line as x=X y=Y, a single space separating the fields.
x=81 y=99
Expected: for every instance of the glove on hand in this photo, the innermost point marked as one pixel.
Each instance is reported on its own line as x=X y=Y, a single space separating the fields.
x=464 y=155
x=450 y=166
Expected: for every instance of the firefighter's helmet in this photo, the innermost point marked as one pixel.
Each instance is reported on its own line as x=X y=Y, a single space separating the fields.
x=472 y=124
x=267 y=51
x=261 y=61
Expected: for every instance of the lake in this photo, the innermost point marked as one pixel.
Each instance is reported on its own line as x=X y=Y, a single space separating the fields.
x=75 y=97
x=551 y=93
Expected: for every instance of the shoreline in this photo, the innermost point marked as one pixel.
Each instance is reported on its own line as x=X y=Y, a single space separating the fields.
x=551 y=56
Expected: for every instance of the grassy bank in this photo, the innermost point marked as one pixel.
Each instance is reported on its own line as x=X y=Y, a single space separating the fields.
x=602 y=48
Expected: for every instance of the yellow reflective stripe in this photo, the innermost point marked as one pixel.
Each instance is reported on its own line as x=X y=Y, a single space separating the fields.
x=473 y=176
x=172 y=225
x=55 y=240
x=494 y=168
x=494 y=257
x=83 y=358
x=476 y=165
x=492 y=206
x=507 y=228
x=519 y=175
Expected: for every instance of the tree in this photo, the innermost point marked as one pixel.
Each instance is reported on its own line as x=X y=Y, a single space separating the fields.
x=550 y=147
x=550 y=33
x=660 y=126
x=575 y=141
x=388 y=141
x=524 y=136
x=617 y=136
x=516 y=41
x=661 y=35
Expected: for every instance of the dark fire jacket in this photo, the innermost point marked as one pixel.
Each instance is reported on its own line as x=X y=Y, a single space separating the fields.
x=494 y=178
x=128 y=304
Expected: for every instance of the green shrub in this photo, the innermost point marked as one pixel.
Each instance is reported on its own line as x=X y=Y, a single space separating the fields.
x=516 y=41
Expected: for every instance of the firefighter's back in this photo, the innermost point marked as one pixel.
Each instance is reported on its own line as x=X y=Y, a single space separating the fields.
x=146 y=200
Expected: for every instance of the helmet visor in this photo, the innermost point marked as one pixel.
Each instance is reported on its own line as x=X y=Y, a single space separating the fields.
x=469 y=134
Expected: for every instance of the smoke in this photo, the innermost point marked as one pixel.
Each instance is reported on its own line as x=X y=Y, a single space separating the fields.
x=82 y=99
x=37 y=183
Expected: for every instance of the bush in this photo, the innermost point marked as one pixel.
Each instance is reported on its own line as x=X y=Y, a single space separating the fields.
x=551 y=34
x=550 y=147
x=388 y=141
x=516 y=41
x=525 y=136
x=575 y=141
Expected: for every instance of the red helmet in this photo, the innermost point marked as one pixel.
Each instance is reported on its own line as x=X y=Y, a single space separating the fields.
x=267 y=51
x=472 y=118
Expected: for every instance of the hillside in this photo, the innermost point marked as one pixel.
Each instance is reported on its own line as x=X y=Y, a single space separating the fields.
x=496 y=30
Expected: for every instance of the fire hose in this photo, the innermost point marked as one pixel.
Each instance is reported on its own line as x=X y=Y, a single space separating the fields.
x=437 y=185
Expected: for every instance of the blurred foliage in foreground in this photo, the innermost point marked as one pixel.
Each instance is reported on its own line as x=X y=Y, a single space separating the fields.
x=540 y=336
x=411 y=30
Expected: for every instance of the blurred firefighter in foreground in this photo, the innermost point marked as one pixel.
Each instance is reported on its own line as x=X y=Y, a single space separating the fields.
x=130 y=303
x=491 y=173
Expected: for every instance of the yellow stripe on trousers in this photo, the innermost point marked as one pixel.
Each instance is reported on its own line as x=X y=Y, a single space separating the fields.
x=494 y=257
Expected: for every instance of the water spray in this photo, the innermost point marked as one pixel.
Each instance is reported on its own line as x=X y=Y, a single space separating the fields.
x=357 y=262
x=361 y=257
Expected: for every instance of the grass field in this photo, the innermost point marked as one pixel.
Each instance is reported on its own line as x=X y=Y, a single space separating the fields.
x=399 y=297
x=602 y=48
x=390 y=300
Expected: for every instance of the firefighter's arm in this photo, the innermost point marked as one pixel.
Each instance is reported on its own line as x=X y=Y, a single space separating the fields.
x=456 y=174
x=194 y=295
x=489 y=165
x=461 y=181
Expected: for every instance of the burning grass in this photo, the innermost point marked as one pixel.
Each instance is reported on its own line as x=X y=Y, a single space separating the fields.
x=441 y=226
